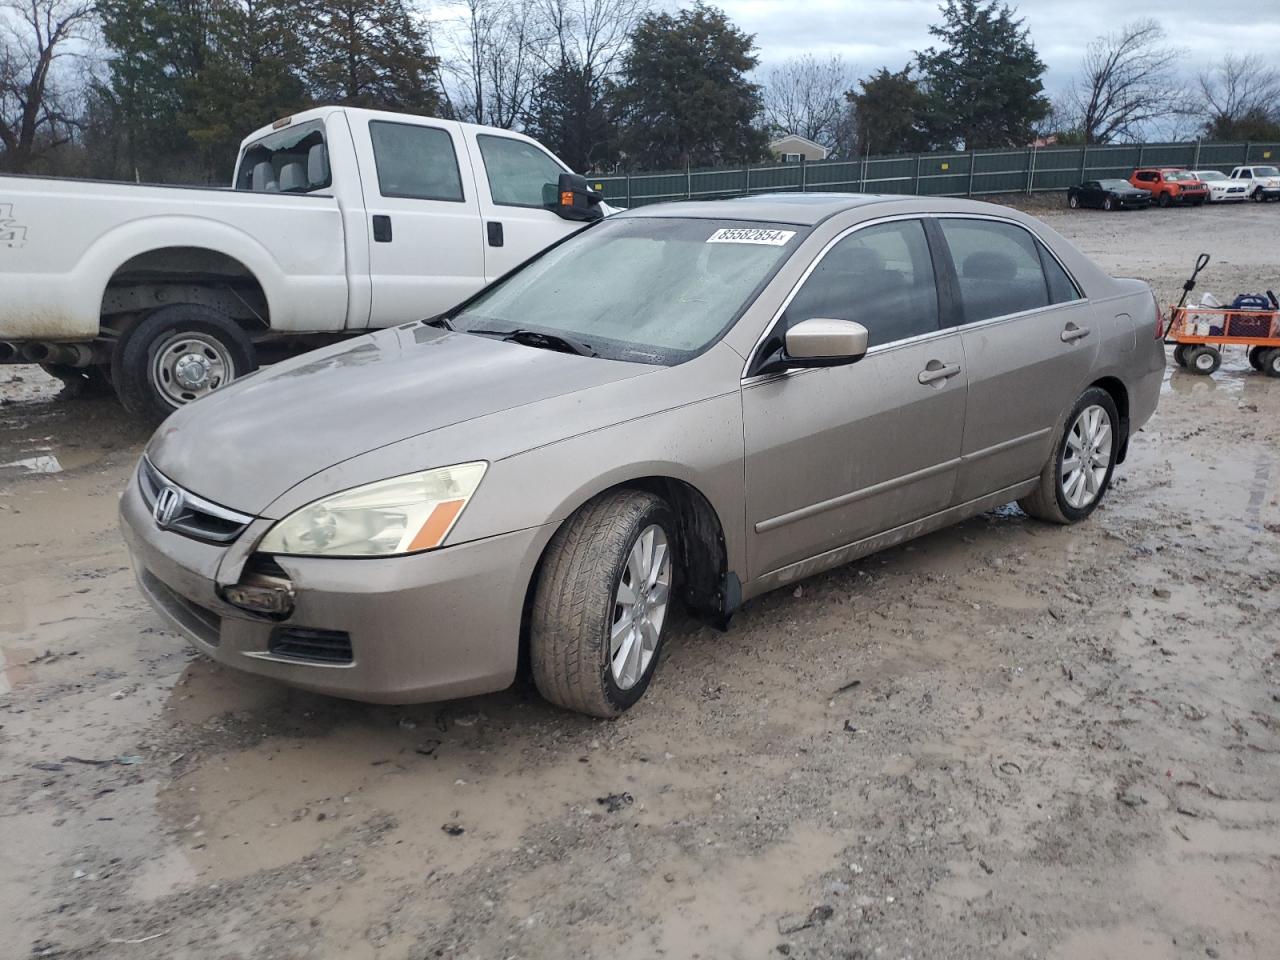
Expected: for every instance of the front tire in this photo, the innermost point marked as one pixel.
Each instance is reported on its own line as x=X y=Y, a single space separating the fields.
x=602 y=601
x=1108 y=204
x=1255 y=357
x=1078 y=475
x=1180 y=355
x=1203 y=360
x=1270 y=360
x=178 y=354
x=1073 y=201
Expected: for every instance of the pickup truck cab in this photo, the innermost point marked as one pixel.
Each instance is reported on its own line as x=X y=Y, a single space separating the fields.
x=338 y=220
x=1170 y=185
x=1261 y=181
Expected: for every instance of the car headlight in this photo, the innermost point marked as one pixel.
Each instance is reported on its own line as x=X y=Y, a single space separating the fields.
x=401 y=515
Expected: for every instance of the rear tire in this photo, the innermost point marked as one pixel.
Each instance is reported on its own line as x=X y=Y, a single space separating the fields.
x=1271 y=362
x=80 y=381
x=1203 y=360
x=1078 y=475
x=1163 y=200
x=178 y=354
x=1255 y=357
x=583 y=631
x=1073 y=201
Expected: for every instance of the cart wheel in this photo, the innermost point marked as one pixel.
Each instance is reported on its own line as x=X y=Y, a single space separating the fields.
x=1271 y=362
x=1203 y=360
x=1255 y=357
x=1180 y=354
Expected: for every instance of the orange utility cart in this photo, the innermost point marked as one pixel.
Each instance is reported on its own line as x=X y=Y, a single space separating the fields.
x=1199 y=333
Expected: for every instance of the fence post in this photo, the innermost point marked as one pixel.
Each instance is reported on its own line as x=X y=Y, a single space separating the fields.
x=746 y=169
x=1195 y=162
x=973 y=162
x=919 y=160
x=688 y=182
x=1084 y=163
x=803 y=177
x=628 y=188
x=862 y=182
x=1141 y=148
x=1247 y=145
x=1031 y=168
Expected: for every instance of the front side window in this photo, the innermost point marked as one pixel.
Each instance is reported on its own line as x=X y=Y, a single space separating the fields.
x=517 y=171
x=415 y=162
x=881 y=276
x=646 y=289
x=998 y=267
x=291 y=160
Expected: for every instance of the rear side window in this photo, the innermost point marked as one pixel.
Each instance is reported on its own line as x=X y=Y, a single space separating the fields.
x=517 y=171
x=415 y=162
x=998 y=266
x=1062 y=289
x=292 y=160
x=880 y=276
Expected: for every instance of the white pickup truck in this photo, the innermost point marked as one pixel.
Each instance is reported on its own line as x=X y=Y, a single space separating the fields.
x=338 y=220
x=1262 y=181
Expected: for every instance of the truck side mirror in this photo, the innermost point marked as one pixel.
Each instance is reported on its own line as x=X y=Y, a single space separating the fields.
x=572 y=198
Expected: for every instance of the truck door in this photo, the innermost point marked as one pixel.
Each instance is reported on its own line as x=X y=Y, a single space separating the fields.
x=426 y=249
x=511 y=173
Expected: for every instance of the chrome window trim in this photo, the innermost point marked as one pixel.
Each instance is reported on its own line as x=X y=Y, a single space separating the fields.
x=893 y=344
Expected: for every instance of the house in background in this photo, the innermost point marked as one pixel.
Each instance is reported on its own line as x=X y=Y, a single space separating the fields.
x=793 y=148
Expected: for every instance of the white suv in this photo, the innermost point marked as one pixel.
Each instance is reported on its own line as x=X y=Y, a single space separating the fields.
x=1261 y=180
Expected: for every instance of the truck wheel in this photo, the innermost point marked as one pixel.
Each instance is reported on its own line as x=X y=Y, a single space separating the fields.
x=178 y=354
x=1203 y=360
x=601 y=603
x=1258 y=195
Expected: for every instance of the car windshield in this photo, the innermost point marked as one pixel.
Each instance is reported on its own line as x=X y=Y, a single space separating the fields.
x=1210 y=175
x=1266 y=172
x=1115 y=184
x=645 y=289
x=1177 y=175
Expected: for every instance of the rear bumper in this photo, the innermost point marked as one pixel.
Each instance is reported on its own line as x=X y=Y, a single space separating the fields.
x=430 y=626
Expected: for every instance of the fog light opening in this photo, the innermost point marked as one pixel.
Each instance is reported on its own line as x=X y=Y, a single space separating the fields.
x=270 y=596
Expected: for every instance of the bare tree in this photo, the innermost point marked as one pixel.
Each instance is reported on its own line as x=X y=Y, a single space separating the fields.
x=492 y=67
x=1128 y=81
x=1241 y=90
x=806 y=96
x=589 y=34
x=35 y=113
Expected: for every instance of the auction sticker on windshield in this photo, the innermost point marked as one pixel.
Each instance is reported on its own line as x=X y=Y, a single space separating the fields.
x=768 y=238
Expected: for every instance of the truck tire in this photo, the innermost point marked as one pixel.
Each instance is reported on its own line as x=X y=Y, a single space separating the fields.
x=178 y=354
x=601 y=601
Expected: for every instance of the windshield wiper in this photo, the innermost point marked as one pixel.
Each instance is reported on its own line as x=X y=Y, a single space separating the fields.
x=441 y=322
x=543 y=341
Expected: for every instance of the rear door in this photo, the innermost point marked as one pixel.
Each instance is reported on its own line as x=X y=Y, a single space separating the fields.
x=1029 y=342
x=425 y=250
x=837 y=454
x=512 y=175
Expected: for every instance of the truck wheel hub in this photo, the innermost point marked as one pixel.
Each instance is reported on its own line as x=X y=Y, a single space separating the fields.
x=192 y=371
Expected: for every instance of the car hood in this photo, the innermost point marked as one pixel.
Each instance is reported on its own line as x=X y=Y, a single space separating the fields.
x=249 y=442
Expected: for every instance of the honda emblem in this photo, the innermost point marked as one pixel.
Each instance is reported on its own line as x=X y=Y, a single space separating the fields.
x=168 y=507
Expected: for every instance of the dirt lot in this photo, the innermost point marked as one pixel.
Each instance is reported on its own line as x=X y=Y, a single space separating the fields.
x=1003 y=740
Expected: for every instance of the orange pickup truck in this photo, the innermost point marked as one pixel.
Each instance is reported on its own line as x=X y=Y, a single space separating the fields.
x=1169 y=185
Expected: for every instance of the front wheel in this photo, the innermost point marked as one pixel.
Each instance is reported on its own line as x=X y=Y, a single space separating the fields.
x=1180 y=355
x=601 y=603
x=1163 y=200
x=1203 y=360
x=178 y=354
x=1108 y=204
x=1270 y=360
x=1255 y=357
x=1078 y=475
x=1073 y=201
x=1258 y=195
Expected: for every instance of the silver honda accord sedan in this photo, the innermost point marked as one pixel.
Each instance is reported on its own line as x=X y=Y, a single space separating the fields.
x=693 y=402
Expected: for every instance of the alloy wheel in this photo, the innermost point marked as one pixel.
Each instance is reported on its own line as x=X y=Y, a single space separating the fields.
x=640 y=607
x=1087 y=457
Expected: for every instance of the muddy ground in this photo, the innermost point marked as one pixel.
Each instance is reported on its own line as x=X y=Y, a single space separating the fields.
x=1003 y=740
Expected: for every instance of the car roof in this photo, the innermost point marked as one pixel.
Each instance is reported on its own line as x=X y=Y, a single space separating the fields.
x=806 y=209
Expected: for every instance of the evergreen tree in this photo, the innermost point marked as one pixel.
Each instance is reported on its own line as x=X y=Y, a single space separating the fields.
x=570 y=115
x=984 y=84
x=685 y=97
x=889 y=111
x=369 y=53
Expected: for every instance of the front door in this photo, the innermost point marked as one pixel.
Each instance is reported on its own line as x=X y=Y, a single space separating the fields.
x=1028 y=334
x=511 y=174
x=837 y=454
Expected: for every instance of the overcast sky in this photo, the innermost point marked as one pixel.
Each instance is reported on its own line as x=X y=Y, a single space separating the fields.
x=876 y=33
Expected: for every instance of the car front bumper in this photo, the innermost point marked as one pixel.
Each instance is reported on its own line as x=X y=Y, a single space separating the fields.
x=429 y=626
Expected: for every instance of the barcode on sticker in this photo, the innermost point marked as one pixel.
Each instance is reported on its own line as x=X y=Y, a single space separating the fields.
x=769 y=238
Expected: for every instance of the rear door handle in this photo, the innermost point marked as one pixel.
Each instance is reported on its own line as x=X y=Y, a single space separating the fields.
x=937 y=370
x=1071 y=333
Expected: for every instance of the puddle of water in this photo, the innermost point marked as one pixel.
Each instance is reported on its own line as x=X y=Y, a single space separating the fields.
x=46 y=463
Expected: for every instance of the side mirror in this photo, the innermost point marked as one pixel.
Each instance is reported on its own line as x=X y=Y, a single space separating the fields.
x=572 y=198
x=818 y=343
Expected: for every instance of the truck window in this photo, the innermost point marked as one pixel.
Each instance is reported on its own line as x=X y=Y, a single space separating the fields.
x=517 y=171
x=292 y=160
x=415 y=162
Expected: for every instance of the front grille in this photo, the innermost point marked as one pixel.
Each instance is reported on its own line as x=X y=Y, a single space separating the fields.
x=190 y=515
x=314 y=646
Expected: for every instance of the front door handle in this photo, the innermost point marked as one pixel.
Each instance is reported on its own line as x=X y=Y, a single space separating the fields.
x=494 y=228
x=381 y=228
x=937 y=370
x=1071 y=333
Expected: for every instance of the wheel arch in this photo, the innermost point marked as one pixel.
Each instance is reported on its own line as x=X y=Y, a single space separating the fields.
x=1119 y=393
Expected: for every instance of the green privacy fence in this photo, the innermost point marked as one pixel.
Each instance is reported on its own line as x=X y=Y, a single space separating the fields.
x=934 y=174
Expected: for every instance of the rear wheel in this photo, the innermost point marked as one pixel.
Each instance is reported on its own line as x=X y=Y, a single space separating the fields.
x=1163 y=200
x=1271 y=362
x=1073 y=201
x=1203 y=360
x=80 y=381
x=601 y=603
x=1255 y=357
x=178 y=354
x=1180 y=355
x=1078 y=475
